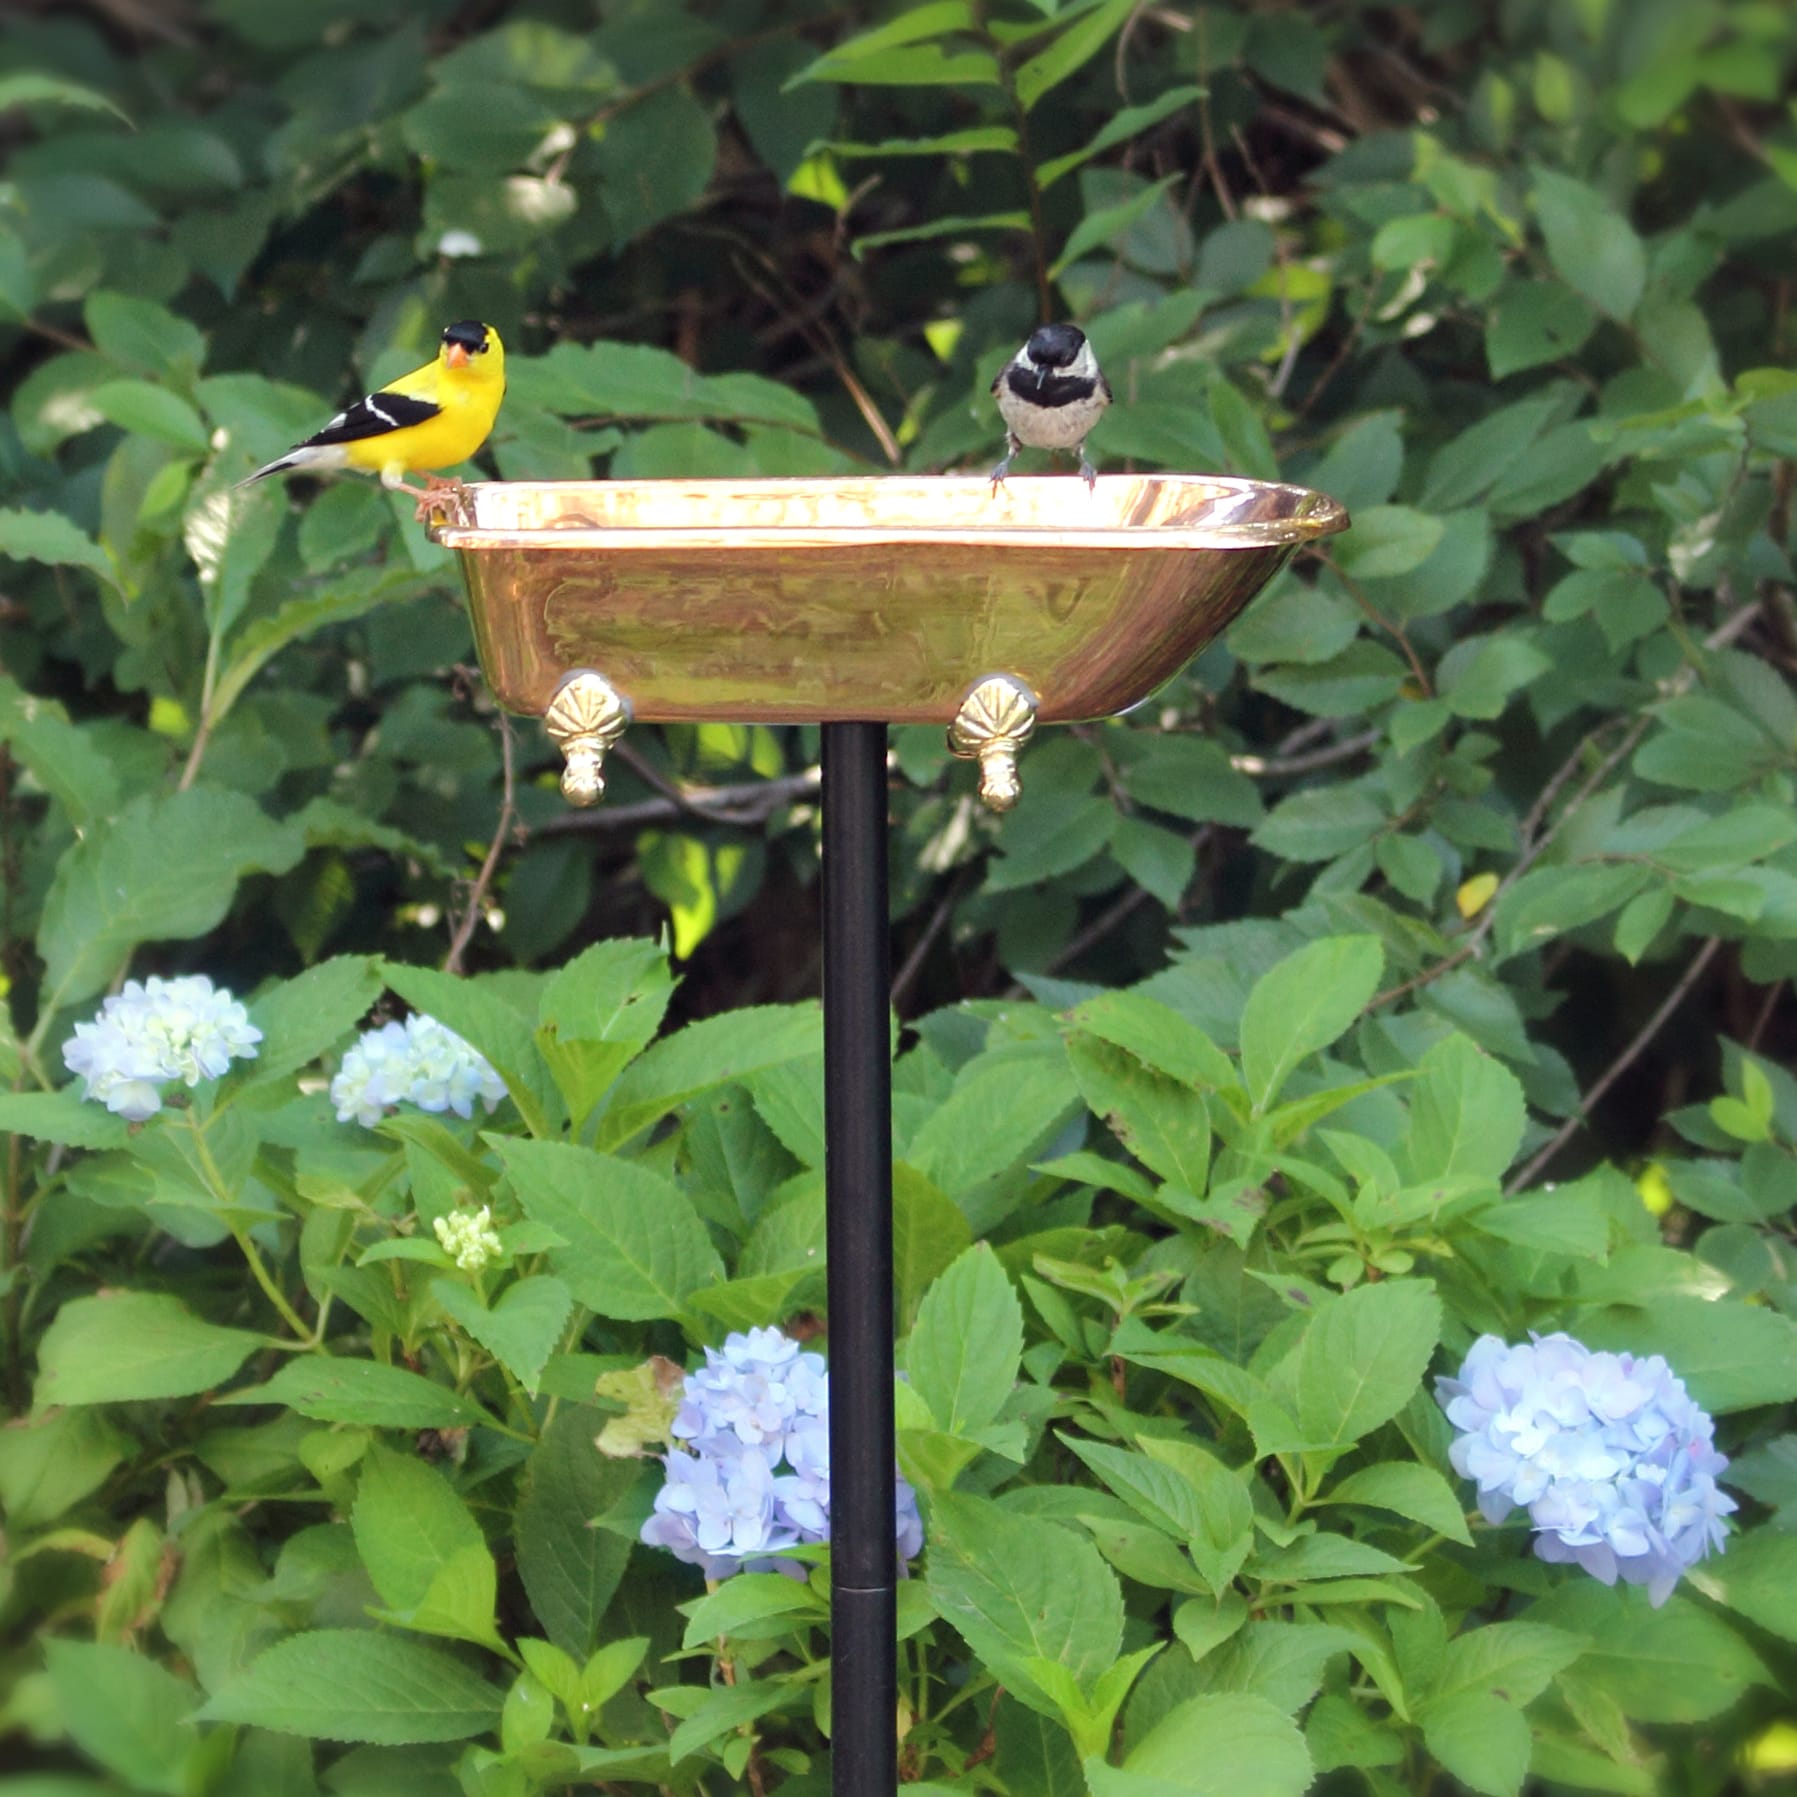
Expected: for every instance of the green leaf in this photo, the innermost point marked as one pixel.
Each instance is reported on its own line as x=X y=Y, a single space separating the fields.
x=1535 y=322
x=263 y=638
x=1073 y=49
x=1388 y=540
x=570 y=1568
x=1467 y=1115
x=49 y=1463
x=64 y=1117
x=356 y=1685
x=1513 y=1660
x=1163 y=1122
x=654 y=160
x=303 y=1017
x=964 y=1349
x=52 y=538
x=522 y=1330
x=635 y=1246
x=1039 y=848
x=165 y=869
x=125 y=1711
x=1188 y=1493
x=1241 y=1741
x=1106 y=224
x=744 y=1601
x=1418 y=1492
x=1319 y=823
x=118 y=1347
x=1363 y=1356
x=61 y=755
x=719 y=1051
x=1732 y=1356
x=1679 y=1663
x=1159 y=860
x=1002 y=1107
x=1120 y=127
x=599 y=1013
x=1302 y=1005
x=364 y=1391
x=422 y=1547
x=899 y=53
x=1756 y=1578
x=1591 y=243
x=151 y=411
x=1548 y=901
x=1482 y=1740
x=1157 y=1035
x=143 y=336
x=32 y=87
x=1016 y=1586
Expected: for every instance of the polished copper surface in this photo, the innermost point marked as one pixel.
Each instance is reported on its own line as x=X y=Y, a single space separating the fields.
x=813 y=601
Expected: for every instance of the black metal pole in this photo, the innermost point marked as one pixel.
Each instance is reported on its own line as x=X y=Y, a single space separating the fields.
x=858 y=1198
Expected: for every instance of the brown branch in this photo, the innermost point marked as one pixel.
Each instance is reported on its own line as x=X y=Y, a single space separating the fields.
x=1396 y=631
x=1285 y=767
x=1774 y=993
x=502 y=832
x=744 y=806
x=907 y=974
x=1618 y=1067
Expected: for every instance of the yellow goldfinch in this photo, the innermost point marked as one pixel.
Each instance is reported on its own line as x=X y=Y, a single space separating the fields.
x=434 y=417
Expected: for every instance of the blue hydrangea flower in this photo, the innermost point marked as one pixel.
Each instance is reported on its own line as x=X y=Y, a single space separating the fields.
x=154 y=1031
x=1609 y=1454
x=717 y=1510
x=417 y=1062
x=750 y=1469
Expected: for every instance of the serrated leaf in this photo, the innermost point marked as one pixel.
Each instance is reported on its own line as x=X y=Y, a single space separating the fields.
x=570 y=1568
x=1363 y=1356
x=1242 y=1742
x=1402 y=1486
x=716 y=1052
x=52 y=538
x=963 y=1353
x=357 y=1685
x=521 y=1330
x=364 y=1391
x=635 y=1250
x=164 y=869
x=1016 y=1586
x=118 y=1347
x=1302 y=1005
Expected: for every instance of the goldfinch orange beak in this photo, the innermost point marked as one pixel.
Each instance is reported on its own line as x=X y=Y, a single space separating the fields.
x=455 y=355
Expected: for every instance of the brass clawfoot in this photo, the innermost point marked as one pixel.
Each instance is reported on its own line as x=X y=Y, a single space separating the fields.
x=995 y=720
x=586 y=716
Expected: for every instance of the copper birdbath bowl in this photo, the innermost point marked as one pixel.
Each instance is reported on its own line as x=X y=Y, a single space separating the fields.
x=901 y=599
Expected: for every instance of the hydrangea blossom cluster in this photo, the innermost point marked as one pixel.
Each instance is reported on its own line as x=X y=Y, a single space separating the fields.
x=469 y=1238
x=750 y=1472
x=1608 y=1453
x=154 y=1031
x=416 y=1062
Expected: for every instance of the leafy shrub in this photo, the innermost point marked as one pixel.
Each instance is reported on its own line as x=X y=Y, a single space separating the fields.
x=1466 y=860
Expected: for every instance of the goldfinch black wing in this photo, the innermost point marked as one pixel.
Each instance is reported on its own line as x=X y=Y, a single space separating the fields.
x=377 y=415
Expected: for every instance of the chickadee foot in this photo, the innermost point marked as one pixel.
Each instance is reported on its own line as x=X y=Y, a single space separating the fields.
x=999 y=473
x=1087 y=472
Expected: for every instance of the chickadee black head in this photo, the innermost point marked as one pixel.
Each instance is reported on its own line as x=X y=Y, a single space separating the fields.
x=1050 y=394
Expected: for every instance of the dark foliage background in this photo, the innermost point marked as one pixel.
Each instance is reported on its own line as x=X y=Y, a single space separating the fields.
x=1512 y=281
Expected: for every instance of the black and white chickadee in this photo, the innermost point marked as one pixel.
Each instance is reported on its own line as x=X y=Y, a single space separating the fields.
x=1050 y=394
